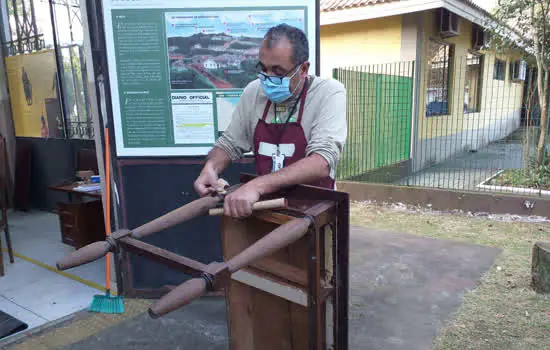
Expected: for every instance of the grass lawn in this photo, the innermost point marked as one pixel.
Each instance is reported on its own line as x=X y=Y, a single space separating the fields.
x=502 y=312
x=521 y=178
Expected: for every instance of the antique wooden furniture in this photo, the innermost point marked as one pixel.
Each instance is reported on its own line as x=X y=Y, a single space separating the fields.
x=81 y=218
x=81 y=223
x=71 y=189
x=285 y=271
x=285 y=300
x=202 y=206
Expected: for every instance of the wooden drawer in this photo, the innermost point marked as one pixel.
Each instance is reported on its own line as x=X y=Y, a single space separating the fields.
x=81 y=223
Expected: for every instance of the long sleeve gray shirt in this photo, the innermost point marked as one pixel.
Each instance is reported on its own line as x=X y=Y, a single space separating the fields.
x=323 y=120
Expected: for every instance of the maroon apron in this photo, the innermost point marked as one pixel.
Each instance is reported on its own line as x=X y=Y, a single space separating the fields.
x=287 y=134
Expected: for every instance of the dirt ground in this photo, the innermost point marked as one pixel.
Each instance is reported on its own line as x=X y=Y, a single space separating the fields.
x=502 y=312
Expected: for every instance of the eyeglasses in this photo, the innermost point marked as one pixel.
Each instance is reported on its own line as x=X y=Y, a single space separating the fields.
x=275 y=79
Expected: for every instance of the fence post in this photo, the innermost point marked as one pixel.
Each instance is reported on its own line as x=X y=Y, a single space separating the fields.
x=417 y=76
x=362 y=96
x=341 y=171
x=415 y=86
x=377 y=119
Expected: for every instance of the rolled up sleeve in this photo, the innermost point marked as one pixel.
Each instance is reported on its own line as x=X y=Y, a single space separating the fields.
x=228 y=143
x=329 y=130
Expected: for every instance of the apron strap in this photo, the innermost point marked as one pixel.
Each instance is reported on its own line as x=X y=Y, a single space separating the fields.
x=303 y=101
x=266 y=110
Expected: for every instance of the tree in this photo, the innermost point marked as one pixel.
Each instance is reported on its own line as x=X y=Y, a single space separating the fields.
x=526 y=24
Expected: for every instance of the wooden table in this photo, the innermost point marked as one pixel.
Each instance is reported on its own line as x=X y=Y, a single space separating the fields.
x=70 y=189
x=81 y=222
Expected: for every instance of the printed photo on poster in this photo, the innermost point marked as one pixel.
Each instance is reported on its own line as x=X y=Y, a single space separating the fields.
x=226 y=102
x=219 y=49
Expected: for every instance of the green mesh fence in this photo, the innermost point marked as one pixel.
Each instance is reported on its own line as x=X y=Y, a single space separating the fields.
x=379 y=112
x=468 y=123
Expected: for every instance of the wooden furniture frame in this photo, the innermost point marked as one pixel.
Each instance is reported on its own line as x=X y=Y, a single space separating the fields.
x=286 y=300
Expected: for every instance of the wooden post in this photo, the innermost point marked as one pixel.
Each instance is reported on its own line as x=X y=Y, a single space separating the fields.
x=540 y=268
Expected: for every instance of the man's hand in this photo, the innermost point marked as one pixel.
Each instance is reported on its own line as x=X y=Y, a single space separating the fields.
x=207 y=182
x=238 y=204
x=216 y=162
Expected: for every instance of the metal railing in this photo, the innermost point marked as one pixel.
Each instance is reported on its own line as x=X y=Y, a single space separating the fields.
x=477 y=131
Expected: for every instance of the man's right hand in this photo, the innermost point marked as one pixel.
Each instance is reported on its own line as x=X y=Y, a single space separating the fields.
x=207 y=182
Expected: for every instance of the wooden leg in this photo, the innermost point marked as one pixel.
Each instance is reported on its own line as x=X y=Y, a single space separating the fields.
x=316 y=333
x=7 y=233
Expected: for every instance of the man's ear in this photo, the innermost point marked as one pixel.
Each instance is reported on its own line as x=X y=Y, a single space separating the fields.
x=305 y=67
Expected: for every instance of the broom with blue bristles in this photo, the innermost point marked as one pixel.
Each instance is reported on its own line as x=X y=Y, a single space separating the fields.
x=107 y=303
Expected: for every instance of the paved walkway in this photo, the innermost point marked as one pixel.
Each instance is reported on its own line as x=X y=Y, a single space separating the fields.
x=467 y=170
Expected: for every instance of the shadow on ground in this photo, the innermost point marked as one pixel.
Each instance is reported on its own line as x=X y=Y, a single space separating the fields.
x=201 y=326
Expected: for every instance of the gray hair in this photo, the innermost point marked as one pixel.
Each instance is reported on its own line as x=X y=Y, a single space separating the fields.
x=297 y=38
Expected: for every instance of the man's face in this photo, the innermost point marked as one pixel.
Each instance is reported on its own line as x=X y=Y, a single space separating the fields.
x=277 y=61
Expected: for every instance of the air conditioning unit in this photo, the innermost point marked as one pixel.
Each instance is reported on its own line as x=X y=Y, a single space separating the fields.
x=518 y=70
x=480 y=38
x=448 y=24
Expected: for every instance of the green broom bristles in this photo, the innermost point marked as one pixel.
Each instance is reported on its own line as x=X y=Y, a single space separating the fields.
x=107 y=304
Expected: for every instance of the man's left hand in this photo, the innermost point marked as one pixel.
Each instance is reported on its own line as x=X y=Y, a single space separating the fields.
x=238 y=204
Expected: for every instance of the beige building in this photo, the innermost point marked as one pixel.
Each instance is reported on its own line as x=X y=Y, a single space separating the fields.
x=462 y=95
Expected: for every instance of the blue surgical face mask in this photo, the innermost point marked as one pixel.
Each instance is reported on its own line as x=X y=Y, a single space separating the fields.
x=277 y=92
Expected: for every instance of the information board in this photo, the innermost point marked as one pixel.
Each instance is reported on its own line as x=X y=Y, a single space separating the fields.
x=177 y=67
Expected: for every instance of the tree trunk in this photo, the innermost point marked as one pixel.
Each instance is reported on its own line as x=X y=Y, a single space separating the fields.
x=531 y=91
x=542 y=81
x=540 y=268
x=543 y=131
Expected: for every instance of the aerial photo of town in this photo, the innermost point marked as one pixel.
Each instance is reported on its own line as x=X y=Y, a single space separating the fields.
x=219 y=50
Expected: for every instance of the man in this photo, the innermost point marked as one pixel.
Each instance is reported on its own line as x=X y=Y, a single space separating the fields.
x=294 y=123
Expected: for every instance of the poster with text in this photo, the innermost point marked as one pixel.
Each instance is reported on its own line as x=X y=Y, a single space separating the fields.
x=177 y=69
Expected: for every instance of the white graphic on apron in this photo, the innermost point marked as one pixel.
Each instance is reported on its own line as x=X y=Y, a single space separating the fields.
x=277 y=154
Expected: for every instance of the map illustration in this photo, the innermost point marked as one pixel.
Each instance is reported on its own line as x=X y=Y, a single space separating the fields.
x=219 y=49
